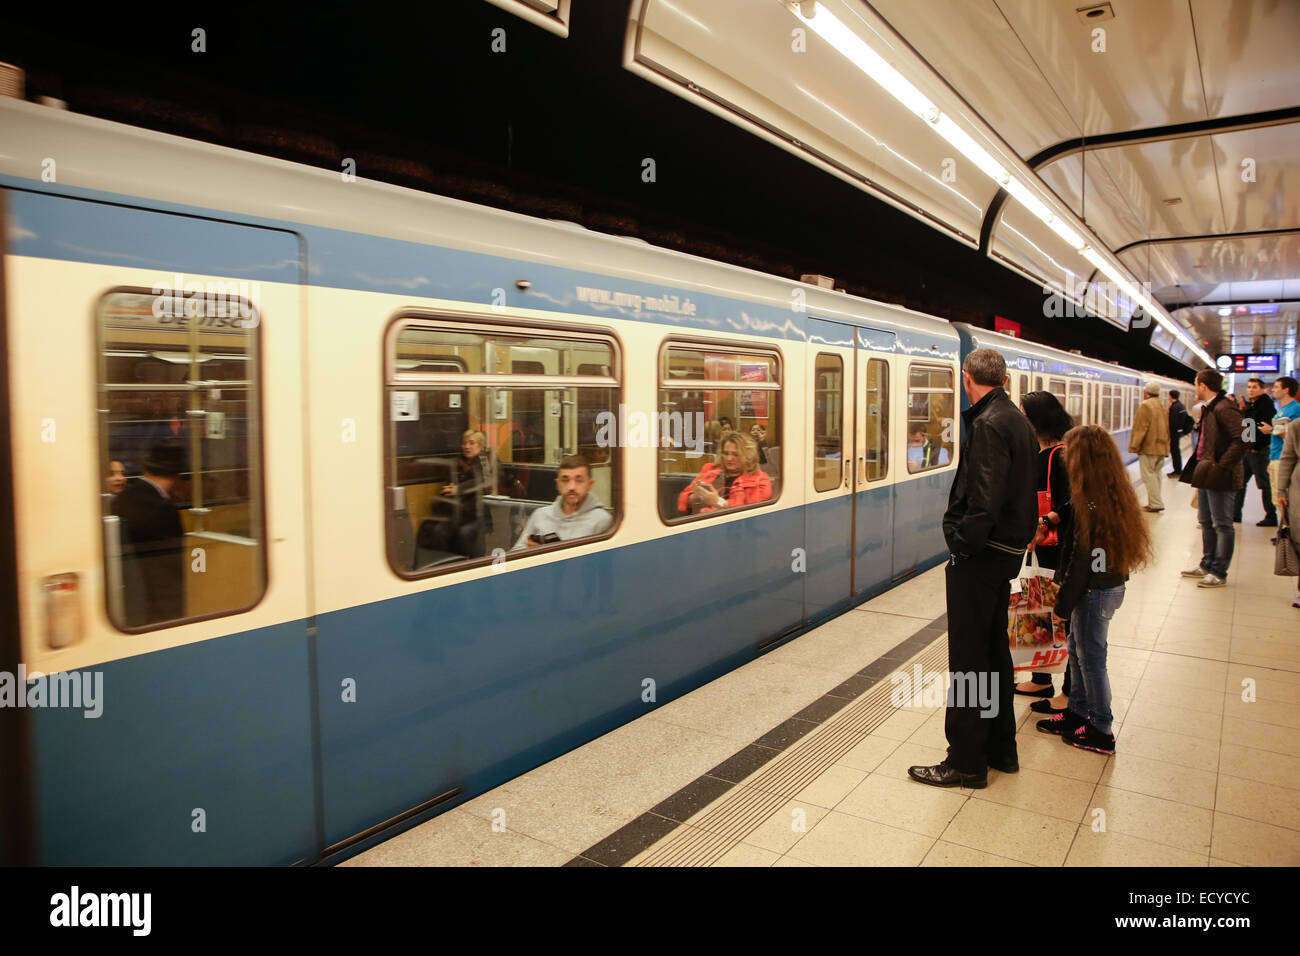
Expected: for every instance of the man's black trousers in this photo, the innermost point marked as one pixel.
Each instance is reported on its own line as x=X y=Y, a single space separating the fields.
x=979 y=589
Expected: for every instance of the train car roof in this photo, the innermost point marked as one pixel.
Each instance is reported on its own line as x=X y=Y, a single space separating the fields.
x=1010 y=343
x=98 y=158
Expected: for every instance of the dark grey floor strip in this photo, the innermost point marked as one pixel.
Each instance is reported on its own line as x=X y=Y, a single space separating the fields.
x=655 y=824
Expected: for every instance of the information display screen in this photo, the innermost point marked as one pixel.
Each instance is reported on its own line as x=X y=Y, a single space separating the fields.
x=1248 y=363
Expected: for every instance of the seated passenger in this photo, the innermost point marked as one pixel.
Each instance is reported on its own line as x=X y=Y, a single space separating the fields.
x=576 y=513
x=759 y=434
x=923 y=451
x=735 y=480
x=469 y=522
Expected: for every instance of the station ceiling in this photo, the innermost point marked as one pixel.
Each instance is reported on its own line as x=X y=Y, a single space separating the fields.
x=1169 y=130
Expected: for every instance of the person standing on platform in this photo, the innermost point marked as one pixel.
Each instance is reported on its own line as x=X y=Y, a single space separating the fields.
x=1180 y=424
x=1288 y=491
x=1150 y=442
x=1216 y=478
x=1260 y=410
x=1285 y=390
x=1109 y=542
x=991 y=517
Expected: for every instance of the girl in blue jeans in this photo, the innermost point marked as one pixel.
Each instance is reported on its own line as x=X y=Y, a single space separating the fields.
x=1110 y=541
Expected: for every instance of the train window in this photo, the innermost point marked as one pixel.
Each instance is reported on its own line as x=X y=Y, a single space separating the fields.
x=498 y=440
x=1057 y=387
x=877 y=419
x=1074 y=401
x=179 y=439
x=828 y=421
x=718 y=428
x=1038 y=383
x=930 y=425
x=1024 y=385
x=1106 y=406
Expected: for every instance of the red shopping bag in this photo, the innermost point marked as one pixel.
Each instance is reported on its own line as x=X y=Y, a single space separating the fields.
x=1036 y=635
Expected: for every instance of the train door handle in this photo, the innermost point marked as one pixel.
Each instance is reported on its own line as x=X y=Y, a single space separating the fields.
x=862 y=469
x=848 y=472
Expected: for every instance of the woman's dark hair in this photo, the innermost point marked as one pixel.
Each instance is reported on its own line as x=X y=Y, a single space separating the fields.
x=1045 y=413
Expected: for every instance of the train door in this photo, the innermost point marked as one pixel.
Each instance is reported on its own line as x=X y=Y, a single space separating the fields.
x=831 y=423
x=874 y=470
x=156 y=412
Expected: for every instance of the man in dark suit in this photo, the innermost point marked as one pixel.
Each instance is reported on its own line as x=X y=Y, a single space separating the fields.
x=1180 y=423
x=153 y=568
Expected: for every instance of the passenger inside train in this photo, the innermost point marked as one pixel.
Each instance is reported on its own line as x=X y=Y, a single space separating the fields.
x=577 y=512
x=733 y=481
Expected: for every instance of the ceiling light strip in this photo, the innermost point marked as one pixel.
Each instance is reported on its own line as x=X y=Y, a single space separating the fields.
x=835 y=32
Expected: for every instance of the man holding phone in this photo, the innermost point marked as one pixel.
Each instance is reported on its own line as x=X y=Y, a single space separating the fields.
x=576 y=513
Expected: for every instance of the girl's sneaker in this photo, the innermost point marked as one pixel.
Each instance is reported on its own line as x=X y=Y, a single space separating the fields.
x=1064 y=723
x=1089 y=737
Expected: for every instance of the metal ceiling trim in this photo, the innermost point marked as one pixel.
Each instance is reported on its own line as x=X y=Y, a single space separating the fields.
x=1152 y=134
x=1207 y=237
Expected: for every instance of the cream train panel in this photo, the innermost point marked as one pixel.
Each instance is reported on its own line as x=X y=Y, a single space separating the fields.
x=351 y=566
x=53 y=380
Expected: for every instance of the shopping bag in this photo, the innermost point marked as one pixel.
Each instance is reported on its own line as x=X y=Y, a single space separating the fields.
x=1286 y=562
x=1036 y=635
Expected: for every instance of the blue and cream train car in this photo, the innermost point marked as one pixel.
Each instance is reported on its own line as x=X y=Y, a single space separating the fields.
x=1094 y=393
x=334 y=662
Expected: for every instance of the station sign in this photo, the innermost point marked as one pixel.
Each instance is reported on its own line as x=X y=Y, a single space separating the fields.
x=1248 y=363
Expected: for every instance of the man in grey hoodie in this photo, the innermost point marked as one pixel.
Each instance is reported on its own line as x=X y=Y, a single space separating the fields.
x=576 y=513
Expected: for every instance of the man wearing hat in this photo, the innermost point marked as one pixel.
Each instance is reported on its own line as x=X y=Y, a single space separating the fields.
x=1150 y=442
x=153 y=569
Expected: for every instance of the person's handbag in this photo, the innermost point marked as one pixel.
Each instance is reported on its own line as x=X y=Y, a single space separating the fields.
x=1036 y=635
x=1051 y=536
x=1286 y=562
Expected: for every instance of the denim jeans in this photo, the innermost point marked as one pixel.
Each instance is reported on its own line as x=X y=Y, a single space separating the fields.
x=1089 y=682
x=1214 y=510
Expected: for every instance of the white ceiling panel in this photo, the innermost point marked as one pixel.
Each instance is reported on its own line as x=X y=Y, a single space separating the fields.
x=1272 y=200
x=1147 y=175
x=1245 y=47
x=1147 y=76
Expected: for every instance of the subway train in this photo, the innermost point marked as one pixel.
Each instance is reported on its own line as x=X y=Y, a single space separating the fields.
x=281 y=443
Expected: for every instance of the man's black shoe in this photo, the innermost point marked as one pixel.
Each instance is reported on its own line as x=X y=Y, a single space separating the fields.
x=1172 y=474
x=1270 y=521
x=942 y=775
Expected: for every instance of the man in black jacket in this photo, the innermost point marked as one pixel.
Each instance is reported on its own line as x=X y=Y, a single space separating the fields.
x=1180 y=423
x=153 y=569
x=1259 y=410
x=992 y=513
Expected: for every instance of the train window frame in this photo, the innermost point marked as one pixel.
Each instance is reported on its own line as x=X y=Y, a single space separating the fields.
x=257 y=478
x=816 y=436
x=951 y=447
x=777 y=385
x=489 y=325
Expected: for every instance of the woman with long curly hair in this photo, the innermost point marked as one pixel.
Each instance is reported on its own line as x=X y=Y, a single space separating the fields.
x=1110 y=541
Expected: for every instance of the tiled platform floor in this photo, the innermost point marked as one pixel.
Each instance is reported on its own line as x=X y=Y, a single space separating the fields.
x=1201 y=776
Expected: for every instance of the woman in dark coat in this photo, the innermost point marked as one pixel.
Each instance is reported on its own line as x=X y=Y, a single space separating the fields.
x=1051 y=421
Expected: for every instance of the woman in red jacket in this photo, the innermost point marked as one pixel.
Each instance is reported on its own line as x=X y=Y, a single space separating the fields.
x=734 y=481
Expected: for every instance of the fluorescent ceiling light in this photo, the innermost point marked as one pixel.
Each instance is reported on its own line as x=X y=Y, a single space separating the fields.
x=835 y=32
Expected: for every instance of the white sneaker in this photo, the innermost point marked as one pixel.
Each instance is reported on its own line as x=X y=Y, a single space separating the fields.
x=1196 y=572
x=1211 y=581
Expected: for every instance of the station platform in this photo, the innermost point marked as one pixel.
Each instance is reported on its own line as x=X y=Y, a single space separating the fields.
x=800 y=758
